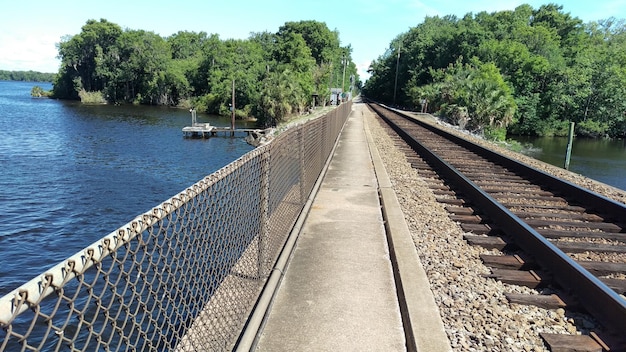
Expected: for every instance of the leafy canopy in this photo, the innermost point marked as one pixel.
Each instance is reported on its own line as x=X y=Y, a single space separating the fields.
x=555 y=67
x=196 y=69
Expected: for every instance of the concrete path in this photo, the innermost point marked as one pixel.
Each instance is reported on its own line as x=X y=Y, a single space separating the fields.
x=339 y=291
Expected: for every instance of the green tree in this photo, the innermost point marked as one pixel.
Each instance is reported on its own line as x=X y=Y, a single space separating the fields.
x=477 y=89
x=274 y=104
x=323 y=43
x=241 y=60
x=334 y=64
x=137 y=67
x=185 y=45
x=197 y=70
x=27 y=76
x=557 y=68
x=297 y=64
x=84 y=56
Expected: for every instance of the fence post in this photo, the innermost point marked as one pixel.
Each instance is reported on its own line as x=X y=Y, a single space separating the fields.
x=301 y=155
x=264 y=207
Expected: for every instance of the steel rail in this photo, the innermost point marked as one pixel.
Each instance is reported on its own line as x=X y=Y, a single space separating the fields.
x=597 y=298
x=599 y=202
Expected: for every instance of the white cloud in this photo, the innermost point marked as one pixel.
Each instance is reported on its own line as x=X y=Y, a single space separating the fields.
x=362 y=70
x=28 y=51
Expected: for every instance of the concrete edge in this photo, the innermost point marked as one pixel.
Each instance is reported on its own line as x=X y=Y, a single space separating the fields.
x=421 y=319
x=253 y=329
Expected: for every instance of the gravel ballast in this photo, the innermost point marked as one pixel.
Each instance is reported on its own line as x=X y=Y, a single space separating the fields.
x=474 y=309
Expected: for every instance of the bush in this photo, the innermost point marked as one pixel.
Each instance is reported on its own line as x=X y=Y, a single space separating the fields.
x=560 y=128
x=91 y=97
x=208 y=103
x=495 y=133
x=185 y=104
x=592 y=128
x=456 y=115
x=515 y=146
x=38 y=92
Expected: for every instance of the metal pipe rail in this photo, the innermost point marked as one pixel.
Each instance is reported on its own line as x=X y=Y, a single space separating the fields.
x=601 y=301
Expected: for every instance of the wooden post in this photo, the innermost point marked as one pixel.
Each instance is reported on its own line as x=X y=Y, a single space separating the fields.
x=570 y=141
x=232 y=115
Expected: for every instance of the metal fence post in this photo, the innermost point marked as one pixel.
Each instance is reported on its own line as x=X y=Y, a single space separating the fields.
x=302 y=172
x=264 y=208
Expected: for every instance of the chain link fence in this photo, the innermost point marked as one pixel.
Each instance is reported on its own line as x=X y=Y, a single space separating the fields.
x=186 y=275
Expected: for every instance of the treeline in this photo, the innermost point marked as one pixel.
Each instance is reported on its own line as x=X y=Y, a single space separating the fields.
x=26 y=76
x=527 y=71
x=275 y=74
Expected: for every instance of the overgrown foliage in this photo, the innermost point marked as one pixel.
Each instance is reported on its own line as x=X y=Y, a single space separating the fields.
x=554 y=67
x=38 y=92
x=275 y=74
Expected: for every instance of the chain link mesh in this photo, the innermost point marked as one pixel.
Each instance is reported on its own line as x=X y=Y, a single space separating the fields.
x=186 y=275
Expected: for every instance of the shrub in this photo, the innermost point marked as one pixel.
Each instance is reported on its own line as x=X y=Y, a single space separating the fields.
x=38 y=92
x=456 y=115
x=592 y=128
x=91 y=97
x=495 y=133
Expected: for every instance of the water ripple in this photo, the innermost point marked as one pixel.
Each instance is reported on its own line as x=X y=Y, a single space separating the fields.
x=70 y=174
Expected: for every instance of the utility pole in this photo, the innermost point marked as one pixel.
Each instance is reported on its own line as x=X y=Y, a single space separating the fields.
x=330 y=84
x=395 y=86
x=232 y=114
x=343 y=81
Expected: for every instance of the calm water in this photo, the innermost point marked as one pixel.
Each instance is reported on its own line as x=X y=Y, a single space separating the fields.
x=70 y=174
x=599 y=159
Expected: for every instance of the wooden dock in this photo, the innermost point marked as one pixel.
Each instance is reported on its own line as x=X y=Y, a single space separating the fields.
x=206 y=130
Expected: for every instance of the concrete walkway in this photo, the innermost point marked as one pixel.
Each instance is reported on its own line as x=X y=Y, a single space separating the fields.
x=339 y=291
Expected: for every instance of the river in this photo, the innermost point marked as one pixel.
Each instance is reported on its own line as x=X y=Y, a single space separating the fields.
x=72 y=173
x=603 y=160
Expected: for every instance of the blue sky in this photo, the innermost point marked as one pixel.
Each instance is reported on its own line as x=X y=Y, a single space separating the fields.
x=30 y=29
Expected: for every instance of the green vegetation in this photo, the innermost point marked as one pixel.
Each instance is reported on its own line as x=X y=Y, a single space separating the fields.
x=275 y=74
x=527 y=71
x=27 y=76
x=38 y=92
x=91 y=97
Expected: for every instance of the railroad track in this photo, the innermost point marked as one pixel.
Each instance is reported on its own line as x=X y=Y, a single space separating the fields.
x=550 y=231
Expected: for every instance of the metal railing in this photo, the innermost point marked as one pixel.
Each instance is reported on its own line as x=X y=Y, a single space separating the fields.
x=186 y=275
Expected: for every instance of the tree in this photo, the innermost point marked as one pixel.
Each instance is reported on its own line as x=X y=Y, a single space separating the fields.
x=274 y=104
x=329 y=57
x=197 y=70
x=478 y=89
x=84 y=56
x=557 y=69
x=323 y=43
x=28 y=76
x=185 y=45
x=241 y=60
x=138 y=63
x=183 y=76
